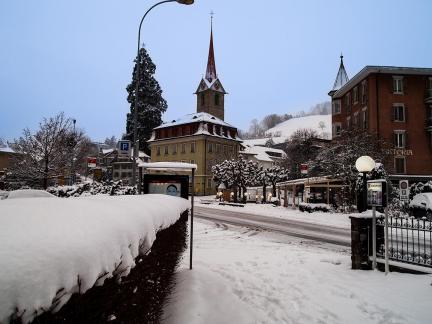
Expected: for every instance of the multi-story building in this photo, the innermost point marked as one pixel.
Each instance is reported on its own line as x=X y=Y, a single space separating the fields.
x=395 y=103
x=203 y=138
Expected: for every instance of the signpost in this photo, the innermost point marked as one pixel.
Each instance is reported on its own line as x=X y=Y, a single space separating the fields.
x=303 y=168
x=404 y=190
x=376 y=197
x=91 y=162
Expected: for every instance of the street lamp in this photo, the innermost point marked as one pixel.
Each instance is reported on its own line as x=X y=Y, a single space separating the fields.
x=364 y=164
x=135 y=115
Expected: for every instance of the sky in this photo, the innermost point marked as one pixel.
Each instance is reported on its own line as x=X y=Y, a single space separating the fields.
x=274 y=56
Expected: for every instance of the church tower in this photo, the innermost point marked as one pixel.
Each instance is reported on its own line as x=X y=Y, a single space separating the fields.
x=210 y=92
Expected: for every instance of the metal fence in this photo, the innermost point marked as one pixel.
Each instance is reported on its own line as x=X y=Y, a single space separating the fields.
x=409 y=240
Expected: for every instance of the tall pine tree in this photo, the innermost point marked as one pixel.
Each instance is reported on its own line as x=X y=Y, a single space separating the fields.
x=151 y=104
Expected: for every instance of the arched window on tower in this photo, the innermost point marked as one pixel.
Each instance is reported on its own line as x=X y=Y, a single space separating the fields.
x=202 y=99
x=216 y=99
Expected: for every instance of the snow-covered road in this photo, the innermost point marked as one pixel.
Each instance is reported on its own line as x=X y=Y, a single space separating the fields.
x=295 y=227
x=246 y=276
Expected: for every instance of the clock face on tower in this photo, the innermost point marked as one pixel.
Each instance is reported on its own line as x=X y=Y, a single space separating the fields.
x=217 y=86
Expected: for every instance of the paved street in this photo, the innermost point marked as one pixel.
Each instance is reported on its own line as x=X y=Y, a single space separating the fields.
x=322 y=233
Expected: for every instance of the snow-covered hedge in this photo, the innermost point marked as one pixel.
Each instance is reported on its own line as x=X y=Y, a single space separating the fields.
x=310 y=207
x=92 y=188
x=420 y=187
x=53 y=248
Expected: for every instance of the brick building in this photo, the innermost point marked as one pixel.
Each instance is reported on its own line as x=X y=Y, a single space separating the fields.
x=203 y=137
x=396 y=104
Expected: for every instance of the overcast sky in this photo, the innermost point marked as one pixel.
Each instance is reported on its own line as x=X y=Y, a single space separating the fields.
x=273 y=56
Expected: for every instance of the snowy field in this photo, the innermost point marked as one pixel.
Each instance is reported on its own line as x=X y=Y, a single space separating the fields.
x=334 y=219
x=244 y=276
x=51 y=248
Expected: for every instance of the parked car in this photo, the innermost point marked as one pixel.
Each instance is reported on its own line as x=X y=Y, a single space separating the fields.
x=29 y=193
x=421 y=205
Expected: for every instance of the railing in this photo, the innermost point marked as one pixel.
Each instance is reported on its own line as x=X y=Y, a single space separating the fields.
x=409 y=240
x=429 y=122
x=428 y=95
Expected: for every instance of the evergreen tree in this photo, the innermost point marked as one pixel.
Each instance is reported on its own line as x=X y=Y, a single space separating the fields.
x=151 y=104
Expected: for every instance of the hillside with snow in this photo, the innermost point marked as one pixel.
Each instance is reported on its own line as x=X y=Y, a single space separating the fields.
x=322 y=124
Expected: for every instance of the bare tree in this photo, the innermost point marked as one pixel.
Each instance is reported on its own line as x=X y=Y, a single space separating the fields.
x=111 y=141
x=49 y=152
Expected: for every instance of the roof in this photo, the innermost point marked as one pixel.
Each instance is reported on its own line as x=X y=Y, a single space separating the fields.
x=261 y=153
x=6 y=149
x=195 y=118
x=369 y=69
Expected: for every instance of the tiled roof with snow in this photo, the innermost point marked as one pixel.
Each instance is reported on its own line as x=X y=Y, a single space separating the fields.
x=263 y=153
x=195 y=118
x=6 y=149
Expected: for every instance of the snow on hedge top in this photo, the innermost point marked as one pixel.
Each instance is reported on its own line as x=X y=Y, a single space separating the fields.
x=319 y=123
x=49 y=244
x=29 y=193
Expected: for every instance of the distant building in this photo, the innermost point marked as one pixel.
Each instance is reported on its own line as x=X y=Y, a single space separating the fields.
x=264 y=156
x=203 y=137
x=396 y=104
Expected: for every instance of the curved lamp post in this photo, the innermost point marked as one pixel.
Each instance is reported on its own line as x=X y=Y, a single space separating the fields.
x=135 y=115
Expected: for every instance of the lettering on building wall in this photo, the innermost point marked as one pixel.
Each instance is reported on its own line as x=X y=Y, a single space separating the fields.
x=402 y=152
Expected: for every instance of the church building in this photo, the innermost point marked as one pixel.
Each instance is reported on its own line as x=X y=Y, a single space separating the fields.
x=203 y=138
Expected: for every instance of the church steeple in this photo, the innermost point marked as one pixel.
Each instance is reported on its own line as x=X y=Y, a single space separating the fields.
x=210 y=92
x=211 y=65
x=341 y=77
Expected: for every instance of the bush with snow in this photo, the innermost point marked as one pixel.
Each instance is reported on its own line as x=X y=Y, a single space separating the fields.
x=53 y=248
x=312 y=207
x=112 y=188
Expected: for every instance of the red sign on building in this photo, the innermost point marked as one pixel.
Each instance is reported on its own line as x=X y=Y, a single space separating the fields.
x=303 y=168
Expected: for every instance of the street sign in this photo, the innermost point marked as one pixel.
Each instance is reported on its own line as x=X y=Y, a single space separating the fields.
x=91 y=162
x=124 y=148
x=404 y=190
x=303 y=168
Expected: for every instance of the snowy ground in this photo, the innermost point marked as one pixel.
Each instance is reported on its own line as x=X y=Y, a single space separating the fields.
x=51 y=248
x=244 y=276
x=335 y=219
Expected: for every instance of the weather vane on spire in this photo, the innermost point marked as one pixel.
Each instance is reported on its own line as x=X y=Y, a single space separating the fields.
x=211 y=16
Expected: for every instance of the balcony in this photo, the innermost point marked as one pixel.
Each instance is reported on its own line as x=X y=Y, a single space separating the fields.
x=428 y=96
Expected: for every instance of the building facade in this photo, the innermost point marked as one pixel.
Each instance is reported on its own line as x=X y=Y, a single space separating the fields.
x=395 y=103
x=203 y=138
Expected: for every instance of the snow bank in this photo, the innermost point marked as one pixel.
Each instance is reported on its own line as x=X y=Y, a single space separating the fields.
x=243 y=276
x=52 y=248
x=29 y=193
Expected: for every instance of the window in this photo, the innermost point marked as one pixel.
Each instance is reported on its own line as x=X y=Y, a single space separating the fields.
x=166 y=149
x=216 y=99
x=364 y=119
x=398 y=84
x=183 y=148
x=202 y=99
x=192 y=149
x=116 y=174
x=337 y=128
x=399 y=112
x=356 y=119
x=399 y=139
x=174 y=149
x=348 y=102
x=363 y=92
x=210 y=147
x=400 y=165
x=192 y=161
x=355 y=94
x=225 y=149
x=430 y=83
x=158 y=150
x=336 y=107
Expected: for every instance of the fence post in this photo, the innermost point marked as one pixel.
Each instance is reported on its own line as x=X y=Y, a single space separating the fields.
x=360 y=242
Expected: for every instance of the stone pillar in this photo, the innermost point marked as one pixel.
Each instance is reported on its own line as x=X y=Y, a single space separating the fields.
x=361 y=241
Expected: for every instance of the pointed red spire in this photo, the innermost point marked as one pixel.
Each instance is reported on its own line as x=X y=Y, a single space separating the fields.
x=211 y=65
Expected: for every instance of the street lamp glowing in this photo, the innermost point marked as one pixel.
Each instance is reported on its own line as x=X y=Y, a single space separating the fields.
x=185 y=2
x=365 y=164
